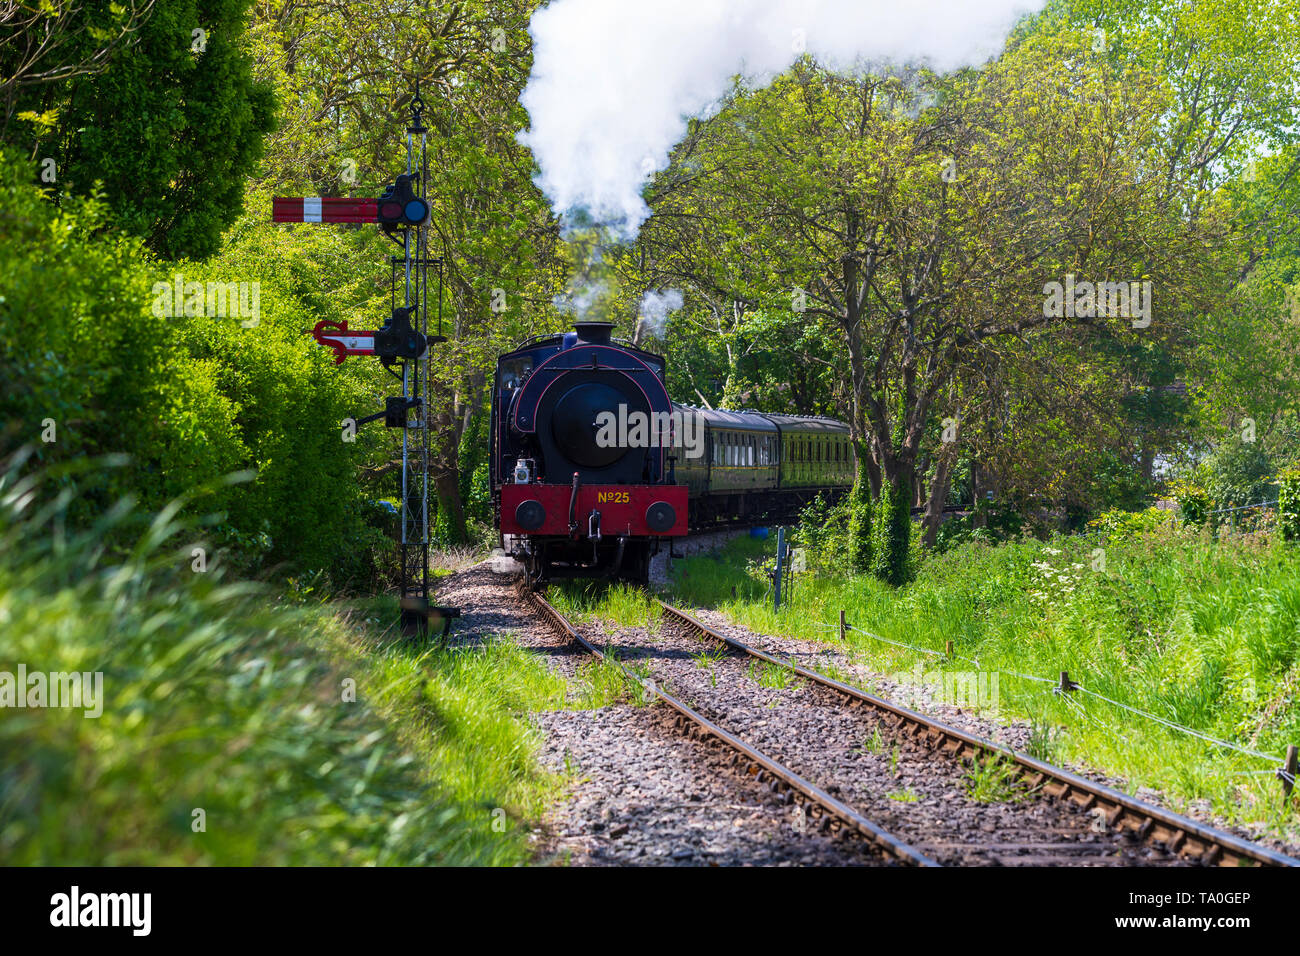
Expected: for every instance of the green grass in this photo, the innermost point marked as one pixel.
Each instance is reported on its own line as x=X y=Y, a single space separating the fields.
x=300 y=734
x=621 y=604
x=767 y=674
x=1202 y=633
x=462 y=709
x=993 y=780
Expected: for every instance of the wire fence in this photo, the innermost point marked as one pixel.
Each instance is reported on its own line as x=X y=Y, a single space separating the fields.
x=1064 y=687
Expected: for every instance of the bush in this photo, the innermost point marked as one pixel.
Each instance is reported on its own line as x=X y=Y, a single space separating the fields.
x=985 y=525
x=858 y=506
x=821 y=530
x=891 y=526
x=189 y=398
x=1288 y=503
x=1238 y=473
x=1193 y=502
x=1120 y=525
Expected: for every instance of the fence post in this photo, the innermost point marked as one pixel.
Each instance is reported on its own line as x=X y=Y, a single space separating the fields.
x=1066 y=684
x=776 y=574
x=948 y=649
x=1291 y=762
x=843 y=627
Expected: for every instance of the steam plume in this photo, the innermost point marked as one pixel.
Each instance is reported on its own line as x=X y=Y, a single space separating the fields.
x=655 y=307
x=614 y=81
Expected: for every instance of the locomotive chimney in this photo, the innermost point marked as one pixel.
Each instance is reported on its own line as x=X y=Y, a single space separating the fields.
x=594 y=333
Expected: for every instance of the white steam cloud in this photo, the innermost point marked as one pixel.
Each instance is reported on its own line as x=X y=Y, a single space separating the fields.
x=655 y=308
x=614 y=81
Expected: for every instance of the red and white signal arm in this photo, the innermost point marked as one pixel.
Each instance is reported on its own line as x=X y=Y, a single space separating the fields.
x=324 y=209
x=344 y=342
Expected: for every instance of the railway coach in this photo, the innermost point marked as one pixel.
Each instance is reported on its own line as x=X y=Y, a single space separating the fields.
x=592 y=465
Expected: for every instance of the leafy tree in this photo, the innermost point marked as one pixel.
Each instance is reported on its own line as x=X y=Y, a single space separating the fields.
x=346 y=75
x=171 y=124
x=89 y=366
x=926 y=235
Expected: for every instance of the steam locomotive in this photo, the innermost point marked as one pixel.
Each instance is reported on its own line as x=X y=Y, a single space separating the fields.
x=592 y=465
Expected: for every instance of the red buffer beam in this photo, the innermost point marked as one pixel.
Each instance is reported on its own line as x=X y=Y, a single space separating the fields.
x=324 y=209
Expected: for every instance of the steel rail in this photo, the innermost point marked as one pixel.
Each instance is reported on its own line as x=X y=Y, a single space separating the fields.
x=757 y=760
x=1153 y=825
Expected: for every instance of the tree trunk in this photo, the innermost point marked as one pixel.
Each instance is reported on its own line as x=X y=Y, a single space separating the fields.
x=447 y=486
x=939 y=486
x=445 y=424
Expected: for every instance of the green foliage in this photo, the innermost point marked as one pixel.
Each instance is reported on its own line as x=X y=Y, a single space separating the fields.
x=1118 y=525
x=821 y=530
x=891 y=538
x=994 y=780
x=1288 y=503
x=1239 y=473
x=170 y=131
x=860 y=546
x=1193 y=501
x=217 y=697
x=188 y=398
x=987 y=523
x=588 y=601
x=475 y=491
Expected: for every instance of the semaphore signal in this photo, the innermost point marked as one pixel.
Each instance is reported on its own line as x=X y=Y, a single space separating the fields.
x=401 y=344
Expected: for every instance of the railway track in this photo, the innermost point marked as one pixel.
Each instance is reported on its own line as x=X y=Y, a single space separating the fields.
x=1163 y=831
x=824 y=810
